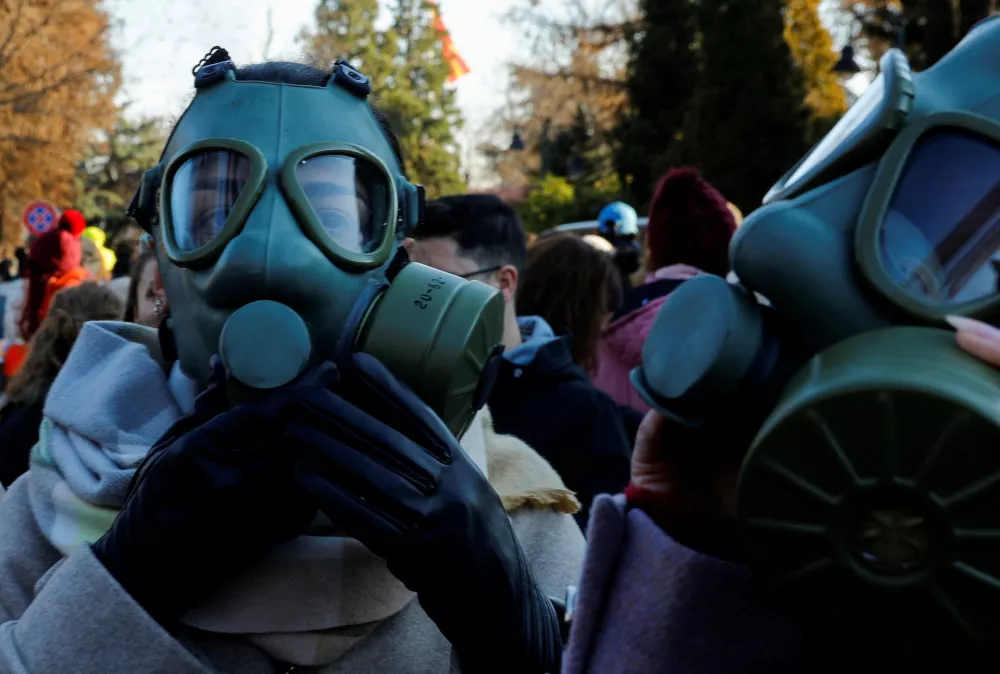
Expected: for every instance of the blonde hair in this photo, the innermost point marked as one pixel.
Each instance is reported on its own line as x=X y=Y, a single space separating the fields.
x=737 y=213
x=599 y=242
x=50 y=346
x=92 y=260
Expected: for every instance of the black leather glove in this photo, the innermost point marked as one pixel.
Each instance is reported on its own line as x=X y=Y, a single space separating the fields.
x=388 y=471
x=216 y=494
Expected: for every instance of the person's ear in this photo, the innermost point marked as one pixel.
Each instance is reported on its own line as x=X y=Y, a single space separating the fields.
x=507 y=276
x=408 y=244
x=159 y=290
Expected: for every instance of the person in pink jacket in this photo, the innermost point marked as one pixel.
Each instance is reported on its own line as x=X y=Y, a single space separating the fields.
x=690 y=225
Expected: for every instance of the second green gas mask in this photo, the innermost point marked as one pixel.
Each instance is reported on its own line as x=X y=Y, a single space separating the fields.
x=277 y=212
x=872 y=480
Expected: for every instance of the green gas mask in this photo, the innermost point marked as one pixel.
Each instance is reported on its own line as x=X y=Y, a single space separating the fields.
x=277 y=212
x=873 y=472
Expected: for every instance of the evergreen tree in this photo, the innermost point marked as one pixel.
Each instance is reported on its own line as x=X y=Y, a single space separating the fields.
x=662 y=76
x=409 y=79
x=571 y=59
x=746 y=125
x=574 y=153
x=812 y=48
x=112 y=169
x=347 y=30
x=580 y=156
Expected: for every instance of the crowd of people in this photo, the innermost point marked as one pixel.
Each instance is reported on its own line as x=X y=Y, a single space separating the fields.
x=212 y=464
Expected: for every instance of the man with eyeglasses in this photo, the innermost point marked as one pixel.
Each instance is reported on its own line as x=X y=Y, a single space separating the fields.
x=540 y=395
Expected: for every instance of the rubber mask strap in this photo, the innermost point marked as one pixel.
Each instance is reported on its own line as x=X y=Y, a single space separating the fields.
x=168 y=346
x=345 y=347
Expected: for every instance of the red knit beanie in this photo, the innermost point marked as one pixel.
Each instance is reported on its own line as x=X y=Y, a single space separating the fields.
x=73 y=222
x=689 y=223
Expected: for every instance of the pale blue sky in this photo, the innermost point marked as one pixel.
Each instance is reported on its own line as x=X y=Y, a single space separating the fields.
x=161 y=41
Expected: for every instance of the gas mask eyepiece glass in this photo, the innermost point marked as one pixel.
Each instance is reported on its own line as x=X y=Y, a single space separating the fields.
x=929 y=234
x=342 y=195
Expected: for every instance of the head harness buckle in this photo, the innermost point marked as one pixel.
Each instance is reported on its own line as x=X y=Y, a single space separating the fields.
x=352 y=79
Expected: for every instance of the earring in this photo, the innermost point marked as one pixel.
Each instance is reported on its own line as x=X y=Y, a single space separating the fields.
x=158 y=305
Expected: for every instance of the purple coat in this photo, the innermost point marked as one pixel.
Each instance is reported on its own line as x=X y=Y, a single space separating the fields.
x=647 y=604
x=621 y=350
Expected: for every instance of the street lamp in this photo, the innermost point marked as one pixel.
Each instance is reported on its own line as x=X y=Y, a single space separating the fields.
x=847 y=65
x=896 y=24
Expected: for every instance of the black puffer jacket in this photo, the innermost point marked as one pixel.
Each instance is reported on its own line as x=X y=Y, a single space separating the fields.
x=551 y=405
x=19 y=424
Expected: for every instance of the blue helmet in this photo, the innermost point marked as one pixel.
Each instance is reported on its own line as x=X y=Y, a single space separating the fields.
x=618 y=219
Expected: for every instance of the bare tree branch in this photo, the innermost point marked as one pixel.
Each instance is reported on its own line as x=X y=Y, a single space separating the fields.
x=270 y=33
x=28 y=97
x=79 y=56
x=42 y=25
x=13 y=28
x=563 y=74
x=16 y=138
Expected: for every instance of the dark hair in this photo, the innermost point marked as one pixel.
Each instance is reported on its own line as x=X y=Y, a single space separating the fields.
x=573 y=286
x=125 y=252
x=483 y=226
x=303 y=75
x=50 y=346
x=21 y=255
x=132 y=300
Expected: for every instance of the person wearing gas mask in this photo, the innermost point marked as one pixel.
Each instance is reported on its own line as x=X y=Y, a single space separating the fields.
x=818 y=484
x=273 y=481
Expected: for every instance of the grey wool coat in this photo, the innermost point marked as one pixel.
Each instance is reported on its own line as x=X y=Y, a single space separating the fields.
x=66 y=615
x=70 y=616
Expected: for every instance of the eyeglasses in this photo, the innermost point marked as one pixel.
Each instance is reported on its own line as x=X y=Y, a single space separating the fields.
x=480 y=272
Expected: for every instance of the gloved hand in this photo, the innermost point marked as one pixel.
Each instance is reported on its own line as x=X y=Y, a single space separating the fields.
x=216 y=494
x=388 y=471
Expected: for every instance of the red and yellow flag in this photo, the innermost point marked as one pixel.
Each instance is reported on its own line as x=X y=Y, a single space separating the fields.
x=454 y=60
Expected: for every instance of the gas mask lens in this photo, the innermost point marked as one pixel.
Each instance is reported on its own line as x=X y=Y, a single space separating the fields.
x=202 y=195
x=350 y=197
x=940 y=239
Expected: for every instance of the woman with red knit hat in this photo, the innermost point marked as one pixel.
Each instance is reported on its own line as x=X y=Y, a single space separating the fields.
x=54 y=264
x=690 y=226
